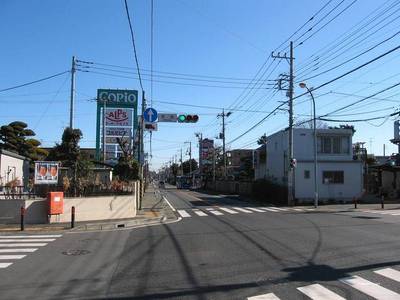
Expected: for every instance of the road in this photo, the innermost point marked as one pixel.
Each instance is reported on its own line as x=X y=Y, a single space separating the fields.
x=222 y=248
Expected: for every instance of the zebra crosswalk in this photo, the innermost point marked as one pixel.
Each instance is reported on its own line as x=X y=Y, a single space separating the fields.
x=317 y=291
x=15 y=247
x=220 y=211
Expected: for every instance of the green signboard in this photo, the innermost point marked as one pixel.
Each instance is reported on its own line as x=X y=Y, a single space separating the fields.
x=117 y=111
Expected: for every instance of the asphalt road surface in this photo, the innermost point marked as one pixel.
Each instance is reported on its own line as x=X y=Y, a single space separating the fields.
x=222 y=248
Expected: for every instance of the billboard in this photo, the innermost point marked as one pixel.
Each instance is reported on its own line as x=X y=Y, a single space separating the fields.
x=116 y=118
x=46 y=172
x=206 y=154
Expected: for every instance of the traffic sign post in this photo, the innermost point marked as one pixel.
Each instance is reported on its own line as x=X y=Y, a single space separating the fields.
x=150 y=115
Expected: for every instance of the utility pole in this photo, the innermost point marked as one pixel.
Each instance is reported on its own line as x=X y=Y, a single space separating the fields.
x=214 y=167
x=290 y=170
x=190 y=157
x=72 y=103
x=181 y=164
x=223 y=115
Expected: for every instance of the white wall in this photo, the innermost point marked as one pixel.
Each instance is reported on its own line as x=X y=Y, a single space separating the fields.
x=352 y=186
x=15 y=164
x=277 y=145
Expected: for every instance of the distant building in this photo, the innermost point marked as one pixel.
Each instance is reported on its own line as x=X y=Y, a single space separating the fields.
x=238 y=161
x=340 y=175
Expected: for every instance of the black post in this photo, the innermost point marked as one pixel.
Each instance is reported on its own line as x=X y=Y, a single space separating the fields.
x=355 y=202
x=22 y=218
x=73 y=217
x=383 y=202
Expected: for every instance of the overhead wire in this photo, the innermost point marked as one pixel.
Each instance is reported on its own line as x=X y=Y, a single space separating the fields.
x=33 y=82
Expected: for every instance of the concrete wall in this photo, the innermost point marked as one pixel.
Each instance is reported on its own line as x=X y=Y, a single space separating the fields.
x=86 y=209
x=352 y=186
x=234 y=187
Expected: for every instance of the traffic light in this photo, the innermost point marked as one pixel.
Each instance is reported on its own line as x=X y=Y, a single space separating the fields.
x=188 y=118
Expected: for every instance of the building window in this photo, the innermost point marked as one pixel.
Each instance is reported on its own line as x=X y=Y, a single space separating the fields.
x=333 y=144
x=333 y=177
x=306 y=174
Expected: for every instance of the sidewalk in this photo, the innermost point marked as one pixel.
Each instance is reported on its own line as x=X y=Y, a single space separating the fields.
x=154 y=210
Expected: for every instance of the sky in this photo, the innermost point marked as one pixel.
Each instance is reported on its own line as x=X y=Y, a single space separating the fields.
x=205 y=53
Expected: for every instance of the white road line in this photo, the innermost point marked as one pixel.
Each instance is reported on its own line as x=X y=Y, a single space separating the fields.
x=29 y=236
x=255 y=209
x=199 y=213
x=229 y=211
x=183 y=213
x=371 y=289
x=13 y=250
x=5 y=265
x=23 y=245
x=270 y=296
x=26 y=240
x=243 y=210
x=389 y=273
x=9 y=257
x=297 y=209
x=170 y=205
x=318 y=292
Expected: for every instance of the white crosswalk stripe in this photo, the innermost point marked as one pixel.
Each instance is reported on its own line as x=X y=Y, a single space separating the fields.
x=229 y=211
x=242 y=210
x=254 y=209
x=11 y=246
x=389 y=273
x=9 y=257
x=5 y=265
x=183 y=213
x=270 y=296
x=18 y=250
x=371 y=289
x=317 y=292
x=29 y=236
x=214 y=212
x=271 y=209
x=200 y=212
x=25 y=240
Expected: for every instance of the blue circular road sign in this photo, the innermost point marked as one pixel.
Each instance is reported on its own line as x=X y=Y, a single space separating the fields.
x=150 y=115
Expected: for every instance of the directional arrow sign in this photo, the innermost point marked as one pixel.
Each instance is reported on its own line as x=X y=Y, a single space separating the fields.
x=150 y=115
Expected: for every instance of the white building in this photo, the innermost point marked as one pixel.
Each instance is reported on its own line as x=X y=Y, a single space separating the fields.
x=13 y=166
x=339 y=176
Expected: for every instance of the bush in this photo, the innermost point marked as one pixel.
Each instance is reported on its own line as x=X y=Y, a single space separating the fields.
x=126 y=169
x=267 y=191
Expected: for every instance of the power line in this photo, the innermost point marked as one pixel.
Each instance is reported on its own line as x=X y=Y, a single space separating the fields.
x=171 y=82
x=363 y=99
x=133 y=43
x=33 y=82
x=318 y=87
x=163 y=72
x=359 y=120
x=326 y=24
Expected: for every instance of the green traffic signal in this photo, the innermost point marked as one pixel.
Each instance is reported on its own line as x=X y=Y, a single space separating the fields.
x=181 y=118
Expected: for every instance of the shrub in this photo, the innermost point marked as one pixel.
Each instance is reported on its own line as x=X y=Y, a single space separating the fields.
x=269 y=192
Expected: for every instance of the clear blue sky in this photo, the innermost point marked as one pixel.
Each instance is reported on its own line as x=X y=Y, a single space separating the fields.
x=225 y=38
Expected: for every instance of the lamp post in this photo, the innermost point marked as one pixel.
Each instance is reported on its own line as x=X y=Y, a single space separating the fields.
x=303 y=85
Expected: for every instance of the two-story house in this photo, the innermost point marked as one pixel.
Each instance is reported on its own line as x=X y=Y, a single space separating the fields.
x=339 y=176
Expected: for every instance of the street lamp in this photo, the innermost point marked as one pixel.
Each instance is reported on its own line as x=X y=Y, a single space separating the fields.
x=304 y=86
